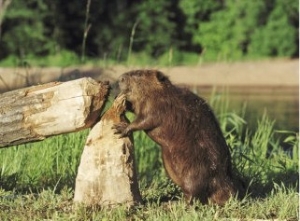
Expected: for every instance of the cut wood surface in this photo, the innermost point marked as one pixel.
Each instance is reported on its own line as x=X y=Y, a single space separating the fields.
x=37 y=112
x=106 y=174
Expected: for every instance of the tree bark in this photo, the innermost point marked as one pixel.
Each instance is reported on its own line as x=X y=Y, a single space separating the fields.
x=37 y=112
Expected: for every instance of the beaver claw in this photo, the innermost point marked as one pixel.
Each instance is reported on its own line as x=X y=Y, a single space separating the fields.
x=121 y=128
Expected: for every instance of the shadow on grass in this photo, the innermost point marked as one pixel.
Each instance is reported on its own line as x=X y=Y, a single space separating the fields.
x=164 y=192
x=289 y=179
x=157 y=192
x=15 y=184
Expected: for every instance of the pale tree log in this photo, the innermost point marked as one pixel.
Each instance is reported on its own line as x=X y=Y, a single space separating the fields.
x=106 y=175
x=37 y=112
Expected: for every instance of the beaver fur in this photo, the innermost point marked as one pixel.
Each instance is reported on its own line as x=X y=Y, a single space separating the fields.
x=195 y=154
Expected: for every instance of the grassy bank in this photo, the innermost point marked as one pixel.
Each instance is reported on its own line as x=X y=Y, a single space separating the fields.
x=37 y=180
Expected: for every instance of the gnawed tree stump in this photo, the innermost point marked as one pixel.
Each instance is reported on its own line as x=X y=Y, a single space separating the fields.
x=106 y=174
x=37 y=112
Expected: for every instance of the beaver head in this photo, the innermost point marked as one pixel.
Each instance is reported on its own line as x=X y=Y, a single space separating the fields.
x=137 y=82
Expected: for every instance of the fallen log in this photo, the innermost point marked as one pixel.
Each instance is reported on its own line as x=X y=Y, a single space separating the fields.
x=37 y=112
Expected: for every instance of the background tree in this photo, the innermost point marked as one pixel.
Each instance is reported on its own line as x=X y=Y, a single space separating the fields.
x=3 y=6
x=227 y=34
x=219 y=30
x=196 y=12
x=24 y=30
x=155 y=28
x=278 y=36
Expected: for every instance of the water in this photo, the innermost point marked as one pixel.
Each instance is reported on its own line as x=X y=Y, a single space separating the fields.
x=281 y=103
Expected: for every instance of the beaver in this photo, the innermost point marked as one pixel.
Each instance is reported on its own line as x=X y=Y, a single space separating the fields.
x=194 y=151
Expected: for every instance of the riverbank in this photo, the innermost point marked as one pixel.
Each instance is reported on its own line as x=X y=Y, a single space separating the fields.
x=283 y=72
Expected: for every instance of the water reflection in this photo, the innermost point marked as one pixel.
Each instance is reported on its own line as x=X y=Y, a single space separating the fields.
x=281 y=103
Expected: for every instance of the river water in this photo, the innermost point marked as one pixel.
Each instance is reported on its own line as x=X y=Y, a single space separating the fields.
x=280 y=103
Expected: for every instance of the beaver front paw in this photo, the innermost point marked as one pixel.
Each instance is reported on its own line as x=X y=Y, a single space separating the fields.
x=121 y=128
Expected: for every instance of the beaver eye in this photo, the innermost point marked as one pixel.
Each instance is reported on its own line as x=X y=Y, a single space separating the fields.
x=122 y=79
x=161 y=77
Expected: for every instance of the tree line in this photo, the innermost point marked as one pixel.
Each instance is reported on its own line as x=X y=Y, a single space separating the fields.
x=115 y=29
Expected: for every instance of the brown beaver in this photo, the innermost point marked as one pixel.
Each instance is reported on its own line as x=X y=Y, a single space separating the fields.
x=194 y=151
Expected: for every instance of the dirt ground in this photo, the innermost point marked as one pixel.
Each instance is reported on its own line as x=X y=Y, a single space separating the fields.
x=269 y=73
x=282 y=72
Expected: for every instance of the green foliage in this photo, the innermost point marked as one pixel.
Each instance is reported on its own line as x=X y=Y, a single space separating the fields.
x=278 y=36
x=154 y=27
x=196 y=12
x=176 y=57
x=281 y=204
x=51 y=163
x=37 y=179
x=257 y=153
x=248 y=28
x=166 y=32
x=24 y=31
x=62 y=59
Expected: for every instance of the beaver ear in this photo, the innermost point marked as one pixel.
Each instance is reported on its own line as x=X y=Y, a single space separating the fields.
x=161 y=77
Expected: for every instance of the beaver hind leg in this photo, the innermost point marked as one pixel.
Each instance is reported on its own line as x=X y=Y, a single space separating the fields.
x=195 y=192
x=222 y=193
x=189 y=198
x=220 y=197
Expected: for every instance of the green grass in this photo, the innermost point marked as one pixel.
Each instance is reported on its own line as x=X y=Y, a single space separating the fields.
x=37 y=180
x=67 y=58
